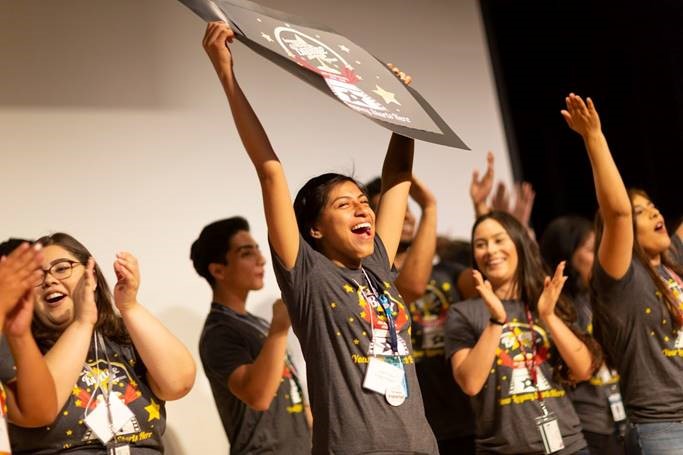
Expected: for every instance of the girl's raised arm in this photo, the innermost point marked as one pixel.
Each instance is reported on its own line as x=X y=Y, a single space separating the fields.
x=277 y=202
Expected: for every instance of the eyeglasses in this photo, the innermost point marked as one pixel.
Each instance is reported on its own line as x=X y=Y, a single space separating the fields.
x=59 y=270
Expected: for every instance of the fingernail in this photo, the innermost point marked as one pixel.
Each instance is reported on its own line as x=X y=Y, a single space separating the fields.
x=37 y=246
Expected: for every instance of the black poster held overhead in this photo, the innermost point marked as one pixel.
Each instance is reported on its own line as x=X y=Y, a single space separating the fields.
x=333 y=64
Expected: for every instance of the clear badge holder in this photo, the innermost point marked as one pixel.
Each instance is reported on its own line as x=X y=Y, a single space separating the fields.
x=118 y=449
x=549 y=428
x=398 y=363
x=616 y=405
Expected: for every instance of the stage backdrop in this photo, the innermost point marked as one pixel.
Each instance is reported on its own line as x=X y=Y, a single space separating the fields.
x=114 y=128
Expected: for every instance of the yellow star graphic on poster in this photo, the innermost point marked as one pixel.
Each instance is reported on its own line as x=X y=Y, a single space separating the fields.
x=348 y=288
x=388 y=97
x=153 y=410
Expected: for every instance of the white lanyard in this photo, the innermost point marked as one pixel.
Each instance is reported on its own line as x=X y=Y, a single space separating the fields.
x=98 y=339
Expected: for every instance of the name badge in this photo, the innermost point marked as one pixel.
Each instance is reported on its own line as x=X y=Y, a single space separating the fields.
x=551 y=436
x=616 y=405
x=98 y=420
x=118 y=449
x=381 y=374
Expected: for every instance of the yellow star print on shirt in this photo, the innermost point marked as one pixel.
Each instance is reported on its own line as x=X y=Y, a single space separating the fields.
x=153 y=410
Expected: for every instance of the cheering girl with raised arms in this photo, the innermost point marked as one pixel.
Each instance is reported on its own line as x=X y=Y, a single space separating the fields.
x=332 y=258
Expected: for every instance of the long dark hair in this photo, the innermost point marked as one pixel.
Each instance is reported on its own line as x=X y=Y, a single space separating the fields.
x=560 y=240
x=109 y=324
x=531 y=271
x=311 y=200
x=529 y=283
x=601 y=318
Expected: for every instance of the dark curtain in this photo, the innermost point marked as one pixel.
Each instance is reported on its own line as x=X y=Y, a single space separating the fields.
x=628 y=57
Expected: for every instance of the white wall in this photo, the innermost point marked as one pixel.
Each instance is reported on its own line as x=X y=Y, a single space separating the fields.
x=114 y=128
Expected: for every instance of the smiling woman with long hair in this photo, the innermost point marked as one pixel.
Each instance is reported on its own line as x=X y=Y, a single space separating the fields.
x=332 y=258
x=513 y=348
x=637 y=295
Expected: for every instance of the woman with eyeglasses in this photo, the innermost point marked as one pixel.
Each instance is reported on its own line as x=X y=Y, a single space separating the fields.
x=112 y=373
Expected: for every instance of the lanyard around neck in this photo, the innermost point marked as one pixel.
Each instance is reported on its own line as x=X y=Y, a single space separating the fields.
x=384 y=303
x=530 y=360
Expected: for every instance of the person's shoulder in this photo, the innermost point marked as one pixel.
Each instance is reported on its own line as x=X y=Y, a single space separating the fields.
x=220 y=329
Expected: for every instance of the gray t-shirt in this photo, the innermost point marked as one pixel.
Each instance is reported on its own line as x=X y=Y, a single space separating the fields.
x=447 y=407
x=70 y=434
x=331 y=317
x=507 y=406
x=646 y=349
x=228 y=341
x=590 y=398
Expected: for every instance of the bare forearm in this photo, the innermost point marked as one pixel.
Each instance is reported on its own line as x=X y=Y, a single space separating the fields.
x=572 y=350
x=398 y=162
x=609 y=187
x=34 y=389
x=277 y=202
x=248 y=126
x=263 y=376
x=417 y=268
x=168 y=362
x=472 y=372
x=396 y=178
x=65 y=359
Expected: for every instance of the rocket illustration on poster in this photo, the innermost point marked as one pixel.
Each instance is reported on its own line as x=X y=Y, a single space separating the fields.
x=333 y=64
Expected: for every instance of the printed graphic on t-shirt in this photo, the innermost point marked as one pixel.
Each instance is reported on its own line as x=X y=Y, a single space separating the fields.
x=5 y=448
x=429 y=318
x=117 y=380
x=372 y=312
x=294 y=396
x=516 y=384
x=673 y=345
